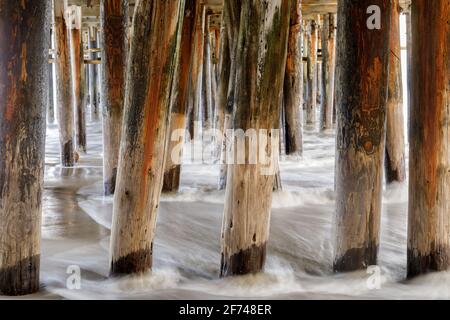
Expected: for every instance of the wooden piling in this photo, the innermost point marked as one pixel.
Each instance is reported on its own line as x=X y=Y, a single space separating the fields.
x=93 y=75
x=154 y=46
x=51 y=94
x=179 y=99
x=114 y=43
x=362 y=65
x=311 y=97
x=293 y=84
x=24 y=45
x=395 y=128
x=206 y=97
x=328 y=74
x=77 y=71
x=263 y=33
x=196 y=68
x=232 y=15
x=429 y=164
x=64 y=86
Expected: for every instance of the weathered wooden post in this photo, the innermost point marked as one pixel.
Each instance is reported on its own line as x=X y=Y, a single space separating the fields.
x=196 y=68
x=328 y=68
x=206 y=96
x=293 y=84
x=24 y=46
x=231 y=20
x=93 y=74
x=51 y=103
x=395 y=128
x=311 y=100
x=154 y=47
x=64 y=85
x=429 y=164
x=263 y=33
x=224 y=80
x=114 y=43
x=179 y=99
x=409 y=69
x=77 y=68
x=362 y=65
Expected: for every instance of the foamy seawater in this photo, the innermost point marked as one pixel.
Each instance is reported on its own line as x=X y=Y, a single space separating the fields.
x=77 y=220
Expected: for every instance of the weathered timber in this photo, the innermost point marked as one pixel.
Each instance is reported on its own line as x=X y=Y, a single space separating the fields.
x=362 y=66
x=77 y=72
x=114 y=43
x=395 y=128
x=206 y=97
x=93 y=75
x=64 y=86
x=222 y=89
x=429 y=164
x=263 y=33
x=232 y=15
x=328 y=74
x=51 y=94
x=179 y=100
x=293 y=84
x=24 y=45
x=154 y=47
x=196 y=69
x=311 y=96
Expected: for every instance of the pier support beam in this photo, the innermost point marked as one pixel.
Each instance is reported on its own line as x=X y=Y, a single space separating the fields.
x=395 y=127
x=64 y=86
x=179 y=100
x=114 y=20
x=362 y=67
x=311 y=96
x=24 y=45
x=93 y=75
x=328 y=74
x=77 y=70
x=263 y=33
x=429 y=164
x=231 y=20
x=154 y=47
x=293 y=84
